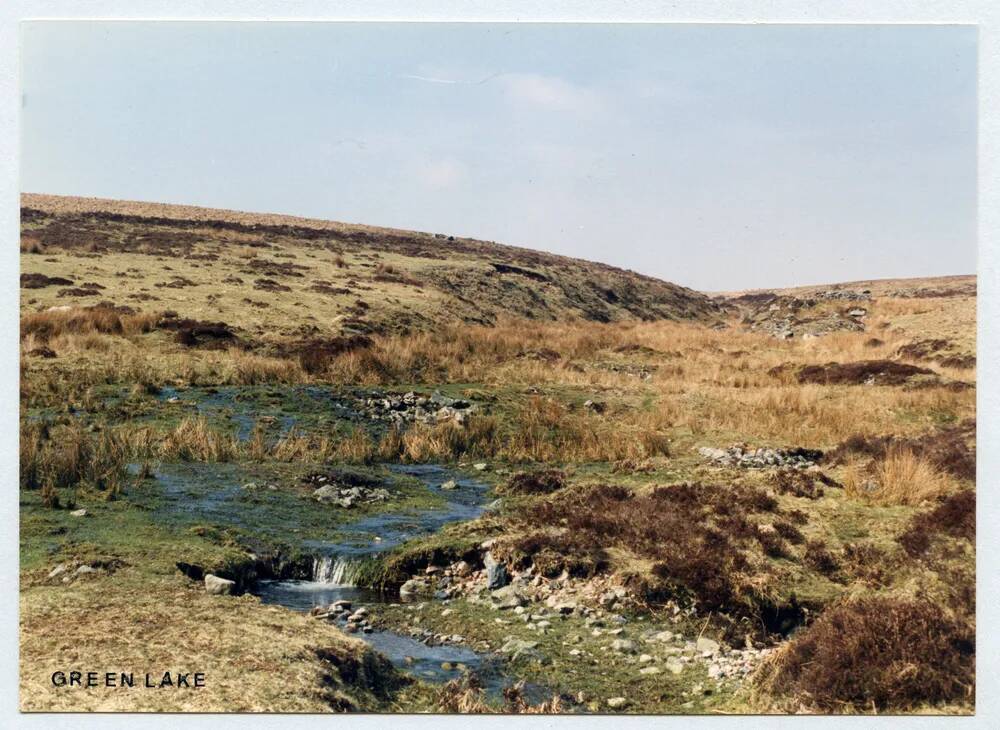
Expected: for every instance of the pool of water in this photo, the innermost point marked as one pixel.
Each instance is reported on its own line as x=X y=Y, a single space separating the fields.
x=288 y=406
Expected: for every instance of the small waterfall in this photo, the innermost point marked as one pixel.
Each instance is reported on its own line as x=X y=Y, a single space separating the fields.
x=335 y=570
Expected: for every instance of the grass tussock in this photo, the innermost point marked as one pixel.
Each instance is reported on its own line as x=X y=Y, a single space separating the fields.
x=539 y=430
x=875 y=654
x=195 y=440
x=86 y=320
x=467 y=696
x=900 y=477
x=68 y=459
x=950 y=449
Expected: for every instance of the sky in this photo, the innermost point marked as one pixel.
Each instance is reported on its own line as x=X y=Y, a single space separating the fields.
x=717 y=157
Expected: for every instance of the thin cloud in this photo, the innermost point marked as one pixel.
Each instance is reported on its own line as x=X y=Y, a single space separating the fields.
x=551 y=93
x=442 y=174
x=436 y=80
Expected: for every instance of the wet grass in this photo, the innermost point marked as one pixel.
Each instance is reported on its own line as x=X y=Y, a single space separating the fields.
x=596 y=672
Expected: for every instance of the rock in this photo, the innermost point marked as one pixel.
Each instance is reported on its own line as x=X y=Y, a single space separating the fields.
x=674 y=667
x=479 y=467
x=626 y=646
x=449 y=485
x=217 y=586
x=664 y=636
x=520 y=649
x=645 y=658
x=649 y=670
x=414 y=587
x=462 y=569
x=79 y=513
x=496 y=573
x=714 y=670
x=58 y=570
x=707 y=645
x=715 y=454
x=328 y=493
x=84 y=570
x=616 y=703
x=342 y=605
x=509 y=597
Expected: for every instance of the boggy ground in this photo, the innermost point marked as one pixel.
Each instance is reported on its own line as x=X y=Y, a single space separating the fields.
x=813 y=561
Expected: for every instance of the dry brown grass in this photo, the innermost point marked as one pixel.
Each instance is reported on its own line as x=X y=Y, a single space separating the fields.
x=138 y=623
x=69 y=458
x=900 y=477
x=194 y=440
x=467 y=697
x=85 y=320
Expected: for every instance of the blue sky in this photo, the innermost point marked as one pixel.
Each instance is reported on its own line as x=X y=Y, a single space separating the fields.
x=718 y=157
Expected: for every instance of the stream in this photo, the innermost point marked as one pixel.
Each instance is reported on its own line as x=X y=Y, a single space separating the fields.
x=213 y=492
x=332 y=578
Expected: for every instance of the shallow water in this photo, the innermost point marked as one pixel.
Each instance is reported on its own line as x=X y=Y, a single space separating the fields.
x=296 y=405
x=217 y=493
x=465 y=502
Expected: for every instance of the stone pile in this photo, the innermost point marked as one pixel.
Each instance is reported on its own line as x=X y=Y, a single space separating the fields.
x=348 y=497
x=399 y=409
x=354 y=619
x=743 y=456
x=848 y=294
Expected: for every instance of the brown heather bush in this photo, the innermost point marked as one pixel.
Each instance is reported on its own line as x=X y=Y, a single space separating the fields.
x=867 y=563
x=879 y=653
x=820 y=559
x=544 y=481
x=954 y=516
x=800 y=483
x=699 y=539
x=878 y=372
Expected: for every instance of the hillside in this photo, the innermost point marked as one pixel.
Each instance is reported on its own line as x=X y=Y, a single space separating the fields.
x=273 y=276
x=937 y=313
